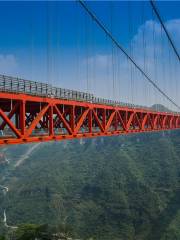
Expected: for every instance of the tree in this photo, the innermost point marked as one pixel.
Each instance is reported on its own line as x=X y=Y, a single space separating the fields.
x=32 y=231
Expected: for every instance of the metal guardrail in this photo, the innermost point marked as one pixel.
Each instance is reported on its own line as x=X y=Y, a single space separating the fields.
x=18 y=85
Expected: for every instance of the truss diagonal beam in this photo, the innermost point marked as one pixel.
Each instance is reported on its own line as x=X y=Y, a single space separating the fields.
x=11 y=125
x=10 y=115
x=61 y=117
x=73 y=118
x=81 y=120
x=36 y=120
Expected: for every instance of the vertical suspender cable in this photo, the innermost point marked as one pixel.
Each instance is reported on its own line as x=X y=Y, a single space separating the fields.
x=130 y=50
x=112 y=48
x=154 y=56
x=103 y=27
x=48 y=43
x=165 y=29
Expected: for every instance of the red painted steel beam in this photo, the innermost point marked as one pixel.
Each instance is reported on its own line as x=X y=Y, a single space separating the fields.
x=36 y=119
x=10 y=115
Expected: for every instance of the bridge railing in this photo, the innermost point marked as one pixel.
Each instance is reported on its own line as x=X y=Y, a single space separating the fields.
x=17 y=85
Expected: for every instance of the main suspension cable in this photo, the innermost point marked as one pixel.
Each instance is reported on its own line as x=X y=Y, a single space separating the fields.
x=165 y=29
x=108 y=33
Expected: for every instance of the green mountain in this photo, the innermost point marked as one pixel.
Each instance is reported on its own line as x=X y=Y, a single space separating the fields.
x=113 y=188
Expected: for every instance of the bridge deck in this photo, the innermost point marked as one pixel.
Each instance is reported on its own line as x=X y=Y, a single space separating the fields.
x=34 y=112
x=17 y=85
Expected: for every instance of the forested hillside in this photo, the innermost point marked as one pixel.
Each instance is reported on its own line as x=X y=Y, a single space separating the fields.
x=113 y=188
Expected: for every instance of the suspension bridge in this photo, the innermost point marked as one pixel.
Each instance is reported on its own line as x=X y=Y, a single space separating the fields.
x=33 y=111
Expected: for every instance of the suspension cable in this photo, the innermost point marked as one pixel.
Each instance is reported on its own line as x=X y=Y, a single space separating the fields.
x=109 y=34
x=165 y=29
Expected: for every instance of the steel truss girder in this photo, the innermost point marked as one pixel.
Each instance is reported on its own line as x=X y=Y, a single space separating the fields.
x=35 y=119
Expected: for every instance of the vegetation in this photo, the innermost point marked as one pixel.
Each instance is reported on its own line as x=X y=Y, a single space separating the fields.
x=118 y=188
x=38 y=232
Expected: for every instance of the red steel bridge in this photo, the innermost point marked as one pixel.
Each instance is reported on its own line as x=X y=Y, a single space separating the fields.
x=38 y=112
x=34 y=112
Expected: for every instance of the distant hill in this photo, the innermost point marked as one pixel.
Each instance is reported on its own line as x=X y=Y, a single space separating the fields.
x=160 y=108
